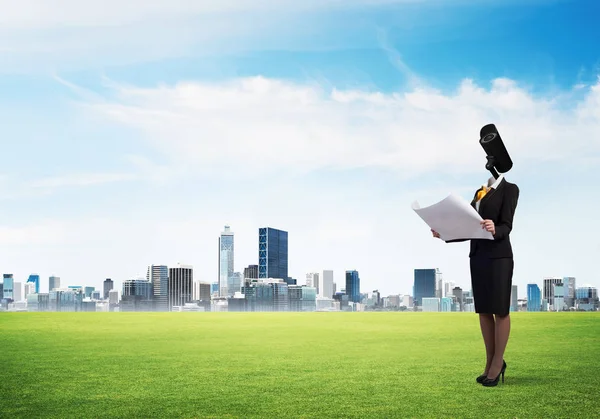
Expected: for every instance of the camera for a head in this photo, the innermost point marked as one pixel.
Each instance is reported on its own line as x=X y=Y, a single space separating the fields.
x=498 y=158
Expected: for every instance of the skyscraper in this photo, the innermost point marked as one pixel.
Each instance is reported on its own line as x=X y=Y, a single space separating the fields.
x=158 y=276
x=325 y=289
x=439 y=281
x=548 y=292
x=312 y=280
x=8 y=288
x=272 y=253
x=18 y=291
x=108 y=286
x=35 y=279
x=251 y=272
x=514 y=300
x=570 y=287
x=181 y=285
x=353 y=286
x=425 y=285
x=226 y=256
x=534 y=298
x=53 y=282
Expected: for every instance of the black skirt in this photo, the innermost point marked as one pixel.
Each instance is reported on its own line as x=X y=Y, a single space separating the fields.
x=491 y=280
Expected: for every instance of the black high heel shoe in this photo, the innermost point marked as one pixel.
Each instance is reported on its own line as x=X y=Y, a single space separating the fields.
x=488 y=382
x=482 y=377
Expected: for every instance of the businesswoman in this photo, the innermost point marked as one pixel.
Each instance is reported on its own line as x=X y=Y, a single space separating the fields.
x=492 y=263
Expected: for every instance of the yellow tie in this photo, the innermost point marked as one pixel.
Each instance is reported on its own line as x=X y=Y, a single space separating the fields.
x=484 y=190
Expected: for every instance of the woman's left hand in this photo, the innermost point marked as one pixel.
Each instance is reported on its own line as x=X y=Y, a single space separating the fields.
x=489 y=226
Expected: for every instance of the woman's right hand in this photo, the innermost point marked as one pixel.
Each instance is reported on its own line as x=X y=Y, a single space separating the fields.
x=435 y=234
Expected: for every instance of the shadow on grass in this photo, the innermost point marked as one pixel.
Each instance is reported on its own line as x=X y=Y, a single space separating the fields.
x=527 y=380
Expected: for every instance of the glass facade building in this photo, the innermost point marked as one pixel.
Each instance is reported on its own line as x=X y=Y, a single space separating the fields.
x=137 y=295
x=53 y=282
x=424 y=285
x=353 y=286
x=35 y=279
x=534 y=298
x=272 y=253
x=8 y=287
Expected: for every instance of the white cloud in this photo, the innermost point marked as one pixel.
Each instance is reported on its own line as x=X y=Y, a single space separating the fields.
x=258 y=125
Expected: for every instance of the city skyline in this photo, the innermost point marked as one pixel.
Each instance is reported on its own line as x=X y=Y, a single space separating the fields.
x=324 y=119
x=158 y=274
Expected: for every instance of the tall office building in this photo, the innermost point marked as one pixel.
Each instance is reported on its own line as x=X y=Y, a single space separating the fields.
x=8 y=287
x=181 y=285
x=353 y=286
x=312 y=280
x=272 y=253
x=326 y=289
x=158 y=276
x=548 y=291
x=424 y=285
x=534 y=298
x=234 y=283
x=53 y=282
x=457 y=292
x=108 y=286
x=439 y=281
x=137 y=295
x=251 y=272
x=514 y=300
x=226 y=256
x=448 y=287
x=570 y=288
x=18 y=291
x=559 y=297
x=35 y=279
x=201 y=291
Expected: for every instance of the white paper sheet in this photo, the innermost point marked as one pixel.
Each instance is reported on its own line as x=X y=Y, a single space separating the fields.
x=453 y=218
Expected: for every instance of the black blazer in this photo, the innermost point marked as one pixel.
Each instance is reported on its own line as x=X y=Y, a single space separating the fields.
x=498 y=205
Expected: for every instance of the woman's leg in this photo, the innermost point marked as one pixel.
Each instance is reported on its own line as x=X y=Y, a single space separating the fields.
x=488 y=331
x=501 y=339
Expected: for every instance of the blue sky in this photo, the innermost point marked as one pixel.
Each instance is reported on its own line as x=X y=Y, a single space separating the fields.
x=132 y=135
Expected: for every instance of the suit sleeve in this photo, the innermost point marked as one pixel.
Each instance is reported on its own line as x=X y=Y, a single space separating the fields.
x=507 y=213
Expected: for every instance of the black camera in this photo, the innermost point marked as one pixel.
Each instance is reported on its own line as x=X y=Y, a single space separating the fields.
x=499 y=160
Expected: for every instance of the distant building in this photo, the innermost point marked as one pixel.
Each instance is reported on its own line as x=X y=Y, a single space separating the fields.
x=158 y=276
x=326 y=288
x=272 y=253
x=446 y=304
x=181 y=285
x=226 y=260
x=53 y=282
x=137 y=295
x=108 y=286
x=514 y=298
x=569 y=283
x=424 y=285
x=353 y=286
x=8 y=288
x=35 y=279
x=431 y=304
x=534 y=298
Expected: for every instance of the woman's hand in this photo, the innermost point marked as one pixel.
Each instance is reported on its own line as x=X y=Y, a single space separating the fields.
x=435 y=234
x=489 y=226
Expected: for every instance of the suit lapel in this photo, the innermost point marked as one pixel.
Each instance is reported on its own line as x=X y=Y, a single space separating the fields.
x=490 y=193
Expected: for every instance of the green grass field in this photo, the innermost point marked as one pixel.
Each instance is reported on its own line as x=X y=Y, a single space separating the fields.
x=278 y=365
